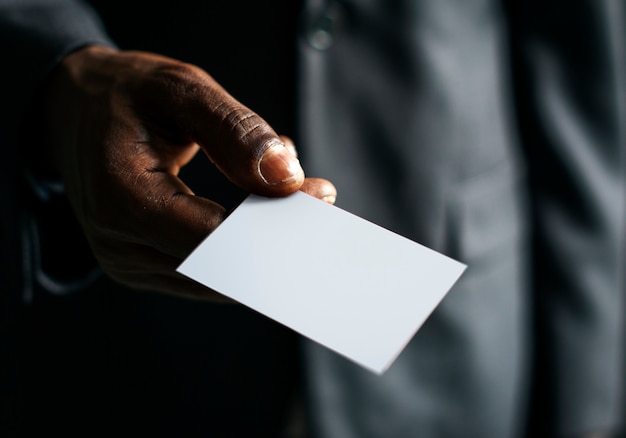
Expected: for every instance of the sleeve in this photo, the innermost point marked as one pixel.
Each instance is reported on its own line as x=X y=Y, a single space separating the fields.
x=572 y=88
x=34 y=36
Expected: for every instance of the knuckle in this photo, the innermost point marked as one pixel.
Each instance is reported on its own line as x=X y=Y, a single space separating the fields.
x=243 y=123
x=183 y=81
x=177 y=72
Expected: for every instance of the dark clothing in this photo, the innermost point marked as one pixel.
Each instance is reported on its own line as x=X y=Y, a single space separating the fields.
x=93 y=358
x=493 y=133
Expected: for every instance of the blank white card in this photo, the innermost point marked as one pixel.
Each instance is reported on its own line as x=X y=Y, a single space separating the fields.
x=346 y=283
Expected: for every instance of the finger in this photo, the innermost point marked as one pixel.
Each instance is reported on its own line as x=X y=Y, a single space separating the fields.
x=173 y=283
x=289 y=144
x=237 y=140
x=169 y=217
x=317 y=187
x=151 y=270
x=320 y=188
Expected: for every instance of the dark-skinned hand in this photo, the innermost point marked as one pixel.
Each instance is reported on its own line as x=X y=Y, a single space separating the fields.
x=120 y=125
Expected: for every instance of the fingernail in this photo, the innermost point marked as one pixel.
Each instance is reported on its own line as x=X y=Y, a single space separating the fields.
x=278 y=165
x=330 y=199
x=291 y=148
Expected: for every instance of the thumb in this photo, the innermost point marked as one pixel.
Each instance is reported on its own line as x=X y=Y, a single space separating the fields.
x=237 y=140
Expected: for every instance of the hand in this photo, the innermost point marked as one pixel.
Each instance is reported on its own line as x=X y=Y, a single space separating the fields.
x=120 y=125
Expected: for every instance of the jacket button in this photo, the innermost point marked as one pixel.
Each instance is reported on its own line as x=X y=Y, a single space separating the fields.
x=324 y=27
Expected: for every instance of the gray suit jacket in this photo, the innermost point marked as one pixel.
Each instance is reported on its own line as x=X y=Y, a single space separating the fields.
x=493 y=133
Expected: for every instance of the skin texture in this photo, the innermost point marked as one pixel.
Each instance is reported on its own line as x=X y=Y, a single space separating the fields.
x=119 y=127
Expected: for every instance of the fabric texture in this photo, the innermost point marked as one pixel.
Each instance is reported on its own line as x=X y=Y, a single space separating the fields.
x=490 y=131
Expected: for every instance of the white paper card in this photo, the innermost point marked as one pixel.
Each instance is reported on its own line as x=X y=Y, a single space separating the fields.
x=335 y=278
